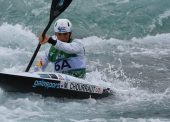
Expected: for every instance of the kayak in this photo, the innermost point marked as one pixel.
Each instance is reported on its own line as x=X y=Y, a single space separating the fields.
x=52 y=84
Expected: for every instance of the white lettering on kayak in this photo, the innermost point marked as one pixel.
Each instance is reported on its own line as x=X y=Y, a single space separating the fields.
x=69 y=85
x=82 y=87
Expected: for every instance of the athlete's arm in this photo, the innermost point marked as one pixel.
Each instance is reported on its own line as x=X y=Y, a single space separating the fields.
x=74 y=47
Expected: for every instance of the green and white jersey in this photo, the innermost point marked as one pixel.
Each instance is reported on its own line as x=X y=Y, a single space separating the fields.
x=68 y=58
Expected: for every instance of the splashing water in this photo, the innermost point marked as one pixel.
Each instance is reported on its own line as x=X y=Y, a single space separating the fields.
x=129 y=53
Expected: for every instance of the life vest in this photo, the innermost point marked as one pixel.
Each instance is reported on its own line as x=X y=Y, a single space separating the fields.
x=71 y=64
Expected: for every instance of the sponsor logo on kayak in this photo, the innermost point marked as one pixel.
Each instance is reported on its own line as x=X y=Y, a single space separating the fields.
x=69 y=85
x=46 y=84
x=82 y=87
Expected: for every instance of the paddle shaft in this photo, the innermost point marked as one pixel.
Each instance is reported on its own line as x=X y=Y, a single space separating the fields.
x=38 y=47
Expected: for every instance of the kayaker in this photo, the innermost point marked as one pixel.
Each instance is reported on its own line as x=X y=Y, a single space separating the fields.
x=66 y=54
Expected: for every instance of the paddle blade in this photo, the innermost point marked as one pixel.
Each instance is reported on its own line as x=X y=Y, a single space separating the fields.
x=57 y=7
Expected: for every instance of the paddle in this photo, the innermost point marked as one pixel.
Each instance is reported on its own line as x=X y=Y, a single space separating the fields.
x=57 y=7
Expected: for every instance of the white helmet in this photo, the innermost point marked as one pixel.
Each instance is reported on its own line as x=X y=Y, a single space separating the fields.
x=62 y=26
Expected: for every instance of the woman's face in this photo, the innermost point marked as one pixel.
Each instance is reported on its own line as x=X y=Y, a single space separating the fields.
x=64 y=37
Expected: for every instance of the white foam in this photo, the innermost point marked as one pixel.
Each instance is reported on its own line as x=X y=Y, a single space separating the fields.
x=121 y=1
x=122 y=119
x=153 y=46
x=17 y=36
x=17 y=44
x=163 y=16
x=97 y=42
x=159 y=20
x=127 y=94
